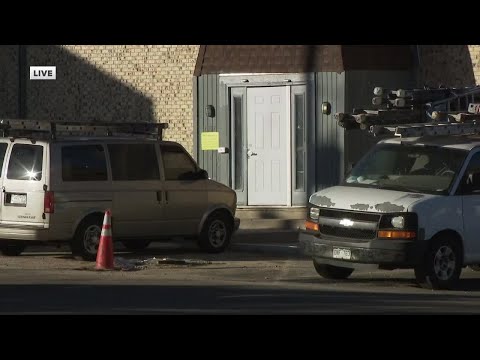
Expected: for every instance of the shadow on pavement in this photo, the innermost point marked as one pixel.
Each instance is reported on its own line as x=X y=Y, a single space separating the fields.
x=198 y=299
x=175 y=249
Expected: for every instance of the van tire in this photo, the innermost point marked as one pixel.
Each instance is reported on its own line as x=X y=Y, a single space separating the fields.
x=332 y=272
x=135 y=244
x=90 y=227
x=12 y=249
x=442 y=265
x=216 y=232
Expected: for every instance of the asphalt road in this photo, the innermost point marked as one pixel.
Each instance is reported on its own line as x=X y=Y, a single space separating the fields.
x=48 y=281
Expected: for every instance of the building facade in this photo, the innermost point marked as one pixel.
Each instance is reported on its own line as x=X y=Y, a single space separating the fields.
x=276 y=144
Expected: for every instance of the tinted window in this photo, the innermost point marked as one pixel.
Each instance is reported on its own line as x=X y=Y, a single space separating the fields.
x=134 y=162
x=471 y=180
x=176 y=162
x=3 y=149
x=25 y=162
x=84 y=163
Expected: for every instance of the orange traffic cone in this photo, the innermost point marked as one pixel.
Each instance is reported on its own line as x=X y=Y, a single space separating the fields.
x=105 y=248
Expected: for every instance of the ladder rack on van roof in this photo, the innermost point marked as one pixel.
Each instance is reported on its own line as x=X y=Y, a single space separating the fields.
x=418 y=113
x=56 y=129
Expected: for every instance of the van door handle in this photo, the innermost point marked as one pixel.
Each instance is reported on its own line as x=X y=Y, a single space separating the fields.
x=166 y=197
x=159 y=196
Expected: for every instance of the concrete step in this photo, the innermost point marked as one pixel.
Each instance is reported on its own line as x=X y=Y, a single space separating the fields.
x=270 y=224
x=263 y=212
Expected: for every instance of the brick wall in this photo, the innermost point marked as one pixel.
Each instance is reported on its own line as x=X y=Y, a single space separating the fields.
x=450 y=65
x=9 y=81
x=107 y=83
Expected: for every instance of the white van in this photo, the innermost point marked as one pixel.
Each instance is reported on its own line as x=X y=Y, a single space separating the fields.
x=58 y=180
x=409 y=203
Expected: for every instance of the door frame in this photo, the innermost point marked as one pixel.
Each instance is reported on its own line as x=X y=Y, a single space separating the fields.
x=237 y=84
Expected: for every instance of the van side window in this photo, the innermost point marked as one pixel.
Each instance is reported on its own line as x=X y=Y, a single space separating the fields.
x=84 y=163
x=134 y=162
x=25 y=162
x=471 y=181
x=3 y=150
x=176 y=162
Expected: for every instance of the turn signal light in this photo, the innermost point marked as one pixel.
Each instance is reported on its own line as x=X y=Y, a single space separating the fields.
x=310 y=225
x=396 y=234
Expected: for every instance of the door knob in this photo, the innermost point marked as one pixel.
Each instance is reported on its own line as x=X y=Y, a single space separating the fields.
x=251 y=153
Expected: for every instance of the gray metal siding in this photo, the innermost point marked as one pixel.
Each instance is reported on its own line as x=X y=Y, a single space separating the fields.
x=330 y=87
x=208 y=93
x=359 y=87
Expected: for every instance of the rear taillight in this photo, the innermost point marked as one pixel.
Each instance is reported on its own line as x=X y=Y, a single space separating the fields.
x=48 y=203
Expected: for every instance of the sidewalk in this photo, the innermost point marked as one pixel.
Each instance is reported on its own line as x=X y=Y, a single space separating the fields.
x=284 y=242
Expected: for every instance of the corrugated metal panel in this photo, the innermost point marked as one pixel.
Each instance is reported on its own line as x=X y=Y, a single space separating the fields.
x=208 y=93
x=329 y=137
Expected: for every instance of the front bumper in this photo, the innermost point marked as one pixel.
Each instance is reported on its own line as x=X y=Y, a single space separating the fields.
x=379 y=252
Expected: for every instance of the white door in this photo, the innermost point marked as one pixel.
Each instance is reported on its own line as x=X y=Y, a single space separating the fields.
x=268 y=150
x=23 y=184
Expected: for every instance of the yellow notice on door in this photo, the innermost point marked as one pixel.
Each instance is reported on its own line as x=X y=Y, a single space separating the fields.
x=210 y=141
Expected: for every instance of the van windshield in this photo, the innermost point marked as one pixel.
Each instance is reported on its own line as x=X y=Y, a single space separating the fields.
x=412 y=168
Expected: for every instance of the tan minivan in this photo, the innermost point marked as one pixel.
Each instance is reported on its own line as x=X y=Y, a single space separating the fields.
x=58 y=180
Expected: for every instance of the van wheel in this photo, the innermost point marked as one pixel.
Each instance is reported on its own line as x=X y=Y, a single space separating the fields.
x=332 y=272
x=216 y=233
x=12 y=249
x=136 y=244
x=87 y=238
x=442 y=265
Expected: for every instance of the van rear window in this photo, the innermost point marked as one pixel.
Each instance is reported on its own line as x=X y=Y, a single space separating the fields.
x=25 y=162
x=84 y=163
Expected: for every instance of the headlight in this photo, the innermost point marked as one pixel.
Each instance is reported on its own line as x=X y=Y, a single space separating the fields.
x=404 y=221
x=398 y=222
x=314 y=213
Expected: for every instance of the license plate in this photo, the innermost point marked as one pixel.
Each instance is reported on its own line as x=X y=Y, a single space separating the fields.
x=18 y=199
x=342 y=253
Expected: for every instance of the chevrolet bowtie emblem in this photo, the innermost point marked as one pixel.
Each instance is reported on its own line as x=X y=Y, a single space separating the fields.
x=346 y=222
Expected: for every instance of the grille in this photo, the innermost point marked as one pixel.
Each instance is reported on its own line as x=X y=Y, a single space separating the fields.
x=352 y=215
x=347 y=232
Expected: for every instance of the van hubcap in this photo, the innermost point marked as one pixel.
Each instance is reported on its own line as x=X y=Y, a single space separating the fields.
x=217 y=233
x=91 y=239
x=444 y=263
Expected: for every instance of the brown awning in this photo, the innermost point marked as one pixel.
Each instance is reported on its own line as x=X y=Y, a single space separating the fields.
x=217 y=59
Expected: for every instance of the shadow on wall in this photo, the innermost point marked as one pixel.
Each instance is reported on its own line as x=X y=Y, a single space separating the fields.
x=447 y=65
x=81 y=91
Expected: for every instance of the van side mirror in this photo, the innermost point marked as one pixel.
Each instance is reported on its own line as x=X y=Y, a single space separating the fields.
x=469 y=183
x=203 y=174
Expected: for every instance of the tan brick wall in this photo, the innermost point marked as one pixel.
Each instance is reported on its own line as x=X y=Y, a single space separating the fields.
x=475 y=57
x=9 y=81
x=450 y=65
x=117 y=83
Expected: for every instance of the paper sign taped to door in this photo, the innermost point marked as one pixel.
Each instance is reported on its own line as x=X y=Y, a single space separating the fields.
x=210 y=140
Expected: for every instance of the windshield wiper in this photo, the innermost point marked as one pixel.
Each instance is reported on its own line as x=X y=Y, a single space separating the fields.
x=397 y=188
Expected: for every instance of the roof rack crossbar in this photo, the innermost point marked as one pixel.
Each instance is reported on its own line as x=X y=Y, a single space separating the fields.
x=19 y=127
